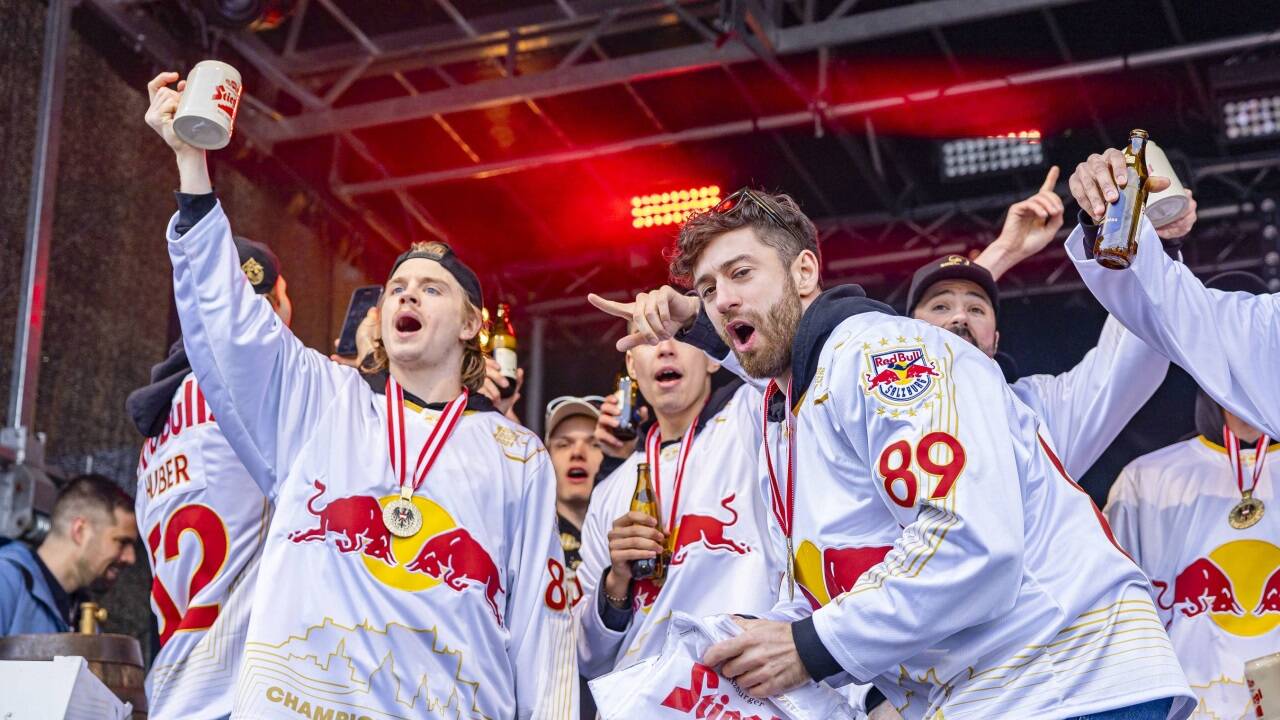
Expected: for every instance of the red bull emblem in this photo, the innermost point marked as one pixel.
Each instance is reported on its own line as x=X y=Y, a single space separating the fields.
x=702 y=700
x=899 y=376
x=824 y=576
x=442 y=552
x=356 y=520
x=458 y=560
x=1237 y=587
x=708 y=531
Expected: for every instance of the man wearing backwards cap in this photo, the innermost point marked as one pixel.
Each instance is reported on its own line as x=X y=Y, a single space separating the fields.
x=1199 y=517
x=1083 y=408
x=190 y=481
x=412 y=566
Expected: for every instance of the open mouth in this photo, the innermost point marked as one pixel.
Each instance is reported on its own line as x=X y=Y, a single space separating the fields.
x=577 y=475
x=742 y=335
x=668 y=376
x=407 y=324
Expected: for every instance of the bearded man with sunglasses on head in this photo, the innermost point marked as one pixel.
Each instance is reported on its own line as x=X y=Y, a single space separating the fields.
x=938 y=548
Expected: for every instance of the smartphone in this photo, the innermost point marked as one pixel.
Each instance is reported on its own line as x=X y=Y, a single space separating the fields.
x=362 y=299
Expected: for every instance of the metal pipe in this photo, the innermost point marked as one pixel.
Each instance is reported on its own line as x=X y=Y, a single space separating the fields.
x=794 y=119
x=35 y=260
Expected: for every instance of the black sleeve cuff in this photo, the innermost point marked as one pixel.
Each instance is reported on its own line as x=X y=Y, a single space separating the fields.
x=873 y=700
x=1090 y=232
x=815 y=656
x=614 y=619
x=703 y=336
x=192 y=209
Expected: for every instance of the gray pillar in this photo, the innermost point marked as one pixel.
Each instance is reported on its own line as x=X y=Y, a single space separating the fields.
x=35 y=261
x=535 y=403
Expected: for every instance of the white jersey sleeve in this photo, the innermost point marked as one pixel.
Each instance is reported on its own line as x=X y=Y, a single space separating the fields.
x=1086 y=407
x=268 y=389
x=542 y=640
x=1229 y=342
x=951 y=480
x=598 y=644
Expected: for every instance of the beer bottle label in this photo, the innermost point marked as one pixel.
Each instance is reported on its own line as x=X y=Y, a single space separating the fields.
x=506 y=359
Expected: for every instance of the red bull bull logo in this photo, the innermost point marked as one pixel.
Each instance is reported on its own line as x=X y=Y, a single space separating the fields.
x=825 y=575
x=707 y=532
x=899 y=376
x=441 y=553
x=1237 y=587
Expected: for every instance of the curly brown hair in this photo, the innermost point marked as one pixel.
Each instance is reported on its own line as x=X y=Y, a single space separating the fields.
x=473 y=365
x=798 y=235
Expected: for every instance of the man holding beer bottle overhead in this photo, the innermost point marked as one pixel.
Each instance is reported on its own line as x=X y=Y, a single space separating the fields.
x=681 y=525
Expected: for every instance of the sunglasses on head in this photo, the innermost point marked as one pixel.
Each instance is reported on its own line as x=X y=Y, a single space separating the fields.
x=736 y=200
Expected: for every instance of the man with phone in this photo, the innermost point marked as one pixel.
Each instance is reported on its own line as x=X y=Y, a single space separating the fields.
x=413 y=558
x=191 y=482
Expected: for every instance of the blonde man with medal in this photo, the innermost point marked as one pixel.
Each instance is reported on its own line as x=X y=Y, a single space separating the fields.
x=1201 y=519
x=412 y=567
x=714 y=528
x=939 y=549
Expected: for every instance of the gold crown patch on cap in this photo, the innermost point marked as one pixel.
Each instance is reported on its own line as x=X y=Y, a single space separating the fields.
x=955 y=260
x=436 y=250
x=252 y=270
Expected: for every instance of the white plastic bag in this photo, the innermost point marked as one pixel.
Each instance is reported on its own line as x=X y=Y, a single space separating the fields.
x=675 y=684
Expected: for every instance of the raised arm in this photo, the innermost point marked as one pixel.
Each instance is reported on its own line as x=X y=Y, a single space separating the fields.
x=1086 y=407
x=267 y=390
x=1229 y=342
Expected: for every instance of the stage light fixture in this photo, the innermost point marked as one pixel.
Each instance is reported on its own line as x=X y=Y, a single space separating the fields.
x=1252 y=117
x=671 y=207
x=975 y=157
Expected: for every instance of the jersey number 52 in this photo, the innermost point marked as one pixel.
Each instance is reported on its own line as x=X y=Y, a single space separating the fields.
x=163 y=540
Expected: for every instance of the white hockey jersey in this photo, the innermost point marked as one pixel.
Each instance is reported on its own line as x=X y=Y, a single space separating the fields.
x=723 y=560
x=944 y=553
x=466 y=618
x=1217 y=588
x=1229 y=342
x=204 y=521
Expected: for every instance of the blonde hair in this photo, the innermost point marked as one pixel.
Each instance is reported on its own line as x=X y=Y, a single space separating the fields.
x=473 y=355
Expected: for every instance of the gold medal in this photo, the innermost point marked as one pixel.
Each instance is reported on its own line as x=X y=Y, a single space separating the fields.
x=1246 y=513
x=402 y=518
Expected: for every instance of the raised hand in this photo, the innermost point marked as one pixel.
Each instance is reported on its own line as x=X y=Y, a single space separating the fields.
x=193 y=173
x=610 y=411
x=654 y=316
x=1029 y=226
x=1097 y=181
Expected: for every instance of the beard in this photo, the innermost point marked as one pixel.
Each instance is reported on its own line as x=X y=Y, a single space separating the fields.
x=776 y=332
x=962 y=330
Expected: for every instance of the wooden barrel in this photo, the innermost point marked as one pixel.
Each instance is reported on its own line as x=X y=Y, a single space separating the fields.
x=115 y=659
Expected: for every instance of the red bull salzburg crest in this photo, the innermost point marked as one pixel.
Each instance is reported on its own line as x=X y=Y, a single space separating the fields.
x=900 y=376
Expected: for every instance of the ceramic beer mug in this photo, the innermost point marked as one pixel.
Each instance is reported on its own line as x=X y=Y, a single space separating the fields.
x=207 y=112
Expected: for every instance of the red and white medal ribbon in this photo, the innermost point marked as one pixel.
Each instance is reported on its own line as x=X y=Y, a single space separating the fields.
x=430 y=449
x=784 y=508
x=1237 y=465
x=653 y=451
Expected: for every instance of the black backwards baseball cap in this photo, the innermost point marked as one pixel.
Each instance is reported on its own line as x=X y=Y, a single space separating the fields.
x=951 y=267
x=259 y=264
x=443 y=254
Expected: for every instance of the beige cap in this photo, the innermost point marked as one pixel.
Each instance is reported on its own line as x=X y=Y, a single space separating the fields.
x=566 y=407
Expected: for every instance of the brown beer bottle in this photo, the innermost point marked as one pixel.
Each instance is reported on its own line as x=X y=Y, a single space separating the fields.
x=628 y=409
x=503 y=339
x=645 y=500
x=1117 y=241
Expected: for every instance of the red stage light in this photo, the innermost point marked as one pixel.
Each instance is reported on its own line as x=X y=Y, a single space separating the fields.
x=672 y=206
